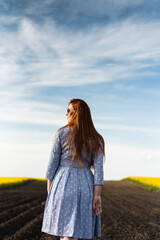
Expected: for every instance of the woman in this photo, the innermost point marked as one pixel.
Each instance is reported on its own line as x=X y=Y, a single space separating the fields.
x=73 y=205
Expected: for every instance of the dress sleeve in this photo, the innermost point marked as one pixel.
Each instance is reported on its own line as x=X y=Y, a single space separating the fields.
x=54 y=158
x=98 y=168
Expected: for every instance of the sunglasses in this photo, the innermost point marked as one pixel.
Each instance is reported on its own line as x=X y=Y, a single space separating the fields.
x=68 y=110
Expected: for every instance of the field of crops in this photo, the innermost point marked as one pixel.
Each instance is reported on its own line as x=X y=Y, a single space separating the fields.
x=150 y=183
x=9 y=182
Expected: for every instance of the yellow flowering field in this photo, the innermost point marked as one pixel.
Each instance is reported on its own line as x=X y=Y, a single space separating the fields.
x=151 y=183
x=8 y=182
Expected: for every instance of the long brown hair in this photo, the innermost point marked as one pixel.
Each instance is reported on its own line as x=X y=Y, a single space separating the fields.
x=82 y=132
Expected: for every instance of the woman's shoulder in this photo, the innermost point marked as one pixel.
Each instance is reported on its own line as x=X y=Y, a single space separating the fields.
x=63 y=131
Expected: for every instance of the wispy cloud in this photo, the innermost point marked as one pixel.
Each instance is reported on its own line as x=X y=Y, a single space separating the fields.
x=43 y=55
x=32 y=113
x=34 y=56
x=127 y=128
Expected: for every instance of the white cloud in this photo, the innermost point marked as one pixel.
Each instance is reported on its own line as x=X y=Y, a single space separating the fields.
x=45 y=55
x=155 y=92
x=124 y=87
x=154 y=156
x=127 y=128
x=34 y=56
x=32 y=112
x=108 y=118
x=28 y=160
x=31 y=159
x=123 y=161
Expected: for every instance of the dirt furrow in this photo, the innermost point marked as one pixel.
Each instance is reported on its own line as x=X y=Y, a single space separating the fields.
x=30 y=230
x=19 y=221
x=16 y=202
x=14 y=211
x=127 y=215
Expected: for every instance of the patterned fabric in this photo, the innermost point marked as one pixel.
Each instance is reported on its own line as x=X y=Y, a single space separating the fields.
x=68 y=207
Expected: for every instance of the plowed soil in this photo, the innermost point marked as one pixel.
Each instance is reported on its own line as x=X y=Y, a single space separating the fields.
x=128 y=212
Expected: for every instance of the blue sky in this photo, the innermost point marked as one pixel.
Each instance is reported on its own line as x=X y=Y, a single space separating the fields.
x=104 y=52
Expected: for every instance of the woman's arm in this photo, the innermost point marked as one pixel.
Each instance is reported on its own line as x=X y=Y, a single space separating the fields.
x=97 y=190
x=98 y=183
x=97 y=202
x=54 y=159
x=49 y=182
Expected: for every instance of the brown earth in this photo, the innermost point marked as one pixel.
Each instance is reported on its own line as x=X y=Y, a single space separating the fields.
x=128 y=212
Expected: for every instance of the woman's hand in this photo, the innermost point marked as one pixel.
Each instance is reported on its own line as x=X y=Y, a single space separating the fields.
x=96 y=205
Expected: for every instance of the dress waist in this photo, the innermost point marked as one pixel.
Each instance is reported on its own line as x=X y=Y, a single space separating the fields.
x=72 y=166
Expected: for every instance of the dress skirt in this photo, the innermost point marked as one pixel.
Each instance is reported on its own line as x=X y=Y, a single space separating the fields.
x=68 y=207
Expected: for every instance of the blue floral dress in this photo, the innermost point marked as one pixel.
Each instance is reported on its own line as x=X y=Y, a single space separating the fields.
x=68 y=207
